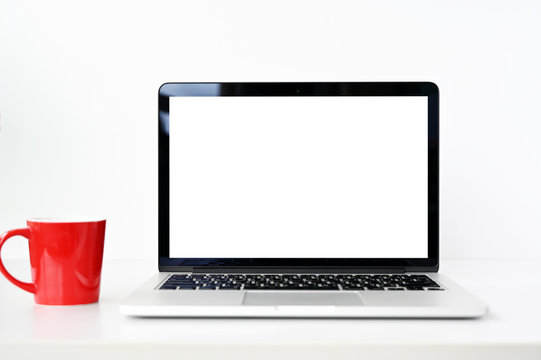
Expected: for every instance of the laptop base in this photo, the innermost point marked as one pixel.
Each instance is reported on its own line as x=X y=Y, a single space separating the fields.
x=453 y=302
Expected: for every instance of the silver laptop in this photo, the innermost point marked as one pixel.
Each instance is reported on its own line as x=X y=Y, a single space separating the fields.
x=299 y=200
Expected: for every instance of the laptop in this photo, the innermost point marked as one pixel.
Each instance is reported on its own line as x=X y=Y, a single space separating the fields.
x=299 y=200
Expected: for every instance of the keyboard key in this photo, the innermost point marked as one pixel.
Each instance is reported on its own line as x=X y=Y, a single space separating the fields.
x=168 y=287
x=178 y=277
x=186 y=287
x=207 y=287
x=354 y=287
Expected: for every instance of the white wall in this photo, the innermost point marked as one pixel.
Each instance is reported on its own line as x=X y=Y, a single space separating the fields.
x=79 y=81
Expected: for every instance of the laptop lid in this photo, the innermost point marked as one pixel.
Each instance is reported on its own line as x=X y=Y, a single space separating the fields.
x=307 y=177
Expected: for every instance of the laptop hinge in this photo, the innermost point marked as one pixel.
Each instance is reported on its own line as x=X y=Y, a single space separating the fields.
x=299 y=270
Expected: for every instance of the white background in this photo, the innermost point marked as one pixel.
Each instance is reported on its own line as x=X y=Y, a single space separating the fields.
x=79 y=81
x=298 y=177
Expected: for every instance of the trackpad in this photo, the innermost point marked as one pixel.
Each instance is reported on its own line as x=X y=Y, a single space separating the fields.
x=305 y=298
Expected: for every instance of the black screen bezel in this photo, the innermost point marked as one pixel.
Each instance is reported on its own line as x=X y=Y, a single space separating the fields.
x=429 y=89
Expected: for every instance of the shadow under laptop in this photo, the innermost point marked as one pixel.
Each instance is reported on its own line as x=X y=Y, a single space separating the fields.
x=228 y=330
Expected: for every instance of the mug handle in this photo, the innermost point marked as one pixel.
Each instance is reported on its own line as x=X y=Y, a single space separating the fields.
x=25 y=232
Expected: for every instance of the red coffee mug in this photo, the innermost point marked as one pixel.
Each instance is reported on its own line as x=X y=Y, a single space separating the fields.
x=65 y=258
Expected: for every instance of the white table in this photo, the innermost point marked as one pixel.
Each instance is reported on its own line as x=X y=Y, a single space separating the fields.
x=512 y=330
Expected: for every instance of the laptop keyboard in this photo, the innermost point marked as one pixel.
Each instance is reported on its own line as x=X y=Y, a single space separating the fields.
x=388 y=282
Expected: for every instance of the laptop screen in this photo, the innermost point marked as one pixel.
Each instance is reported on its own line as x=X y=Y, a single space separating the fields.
x=298 y=177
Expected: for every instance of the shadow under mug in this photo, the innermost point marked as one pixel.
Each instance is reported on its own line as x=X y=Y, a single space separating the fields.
x=65 y=257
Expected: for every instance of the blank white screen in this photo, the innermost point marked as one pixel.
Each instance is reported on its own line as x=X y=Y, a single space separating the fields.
x=298 y=177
